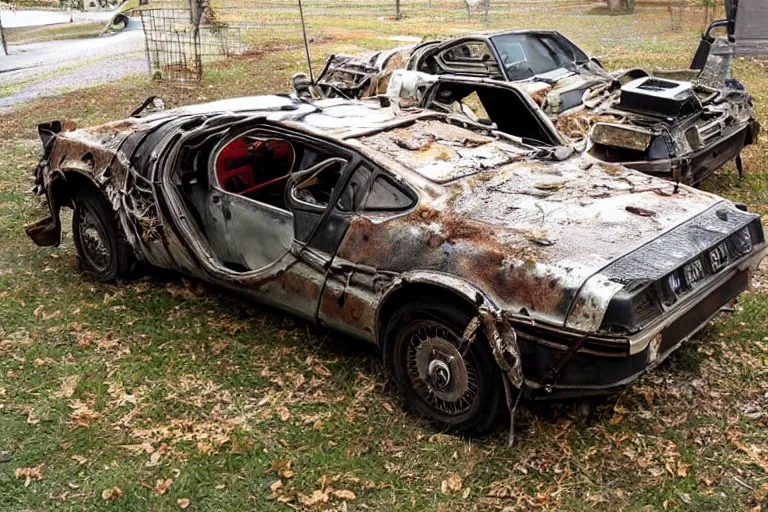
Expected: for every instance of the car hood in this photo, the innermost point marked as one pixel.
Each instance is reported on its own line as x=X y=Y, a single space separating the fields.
x=579 y=213
x=575 y=224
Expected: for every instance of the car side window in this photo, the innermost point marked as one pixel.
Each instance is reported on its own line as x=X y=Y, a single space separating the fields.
x=469 y=53
x=388 y=195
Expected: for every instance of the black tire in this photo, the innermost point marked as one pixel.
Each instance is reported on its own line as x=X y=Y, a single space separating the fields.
x=416 y=323
x=101 y=247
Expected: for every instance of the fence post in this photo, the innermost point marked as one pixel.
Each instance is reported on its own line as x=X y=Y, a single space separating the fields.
x=397 y=10
x=2 y=37
x=196 y=14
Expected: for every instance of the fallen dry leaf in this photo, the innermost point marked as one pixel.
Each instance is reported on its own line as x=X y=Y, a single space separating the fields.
x=107 y=344
x=283 y=413
x=204 y=448
x=276 y=485
x=753 y=453
x=162 y=486
x=82 y=414
x=183 y=503
x=451 y=484
x=282 y=468
x=29 y=474
x=79 y=459
x=344 y=494
x=51 y=316
x=111 y=494
x=68 y=386
x=317 y=497
x=154 y=459
x=322 y=371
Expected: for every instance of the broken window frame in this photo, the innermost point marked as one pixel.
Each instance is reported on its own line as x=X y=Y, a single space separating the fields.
x=545 y=123
x=410 y=196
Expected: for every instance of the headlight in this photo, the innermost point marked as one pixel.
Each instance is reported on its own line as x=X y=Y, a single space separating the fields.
x=743 y=241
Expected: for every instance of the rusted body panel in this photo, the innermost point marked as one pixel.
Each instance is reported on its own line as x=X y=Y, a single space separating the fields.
x=364 y=76
x=530 y=232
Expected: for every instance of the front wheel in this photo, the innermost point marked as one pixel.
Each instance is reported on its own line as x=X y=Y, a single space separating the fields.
x=458 y=386
x=102 y=250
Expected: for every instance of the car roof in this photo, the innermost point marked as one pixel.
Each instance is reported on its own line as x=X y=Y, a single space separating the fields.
x=334 y=117
x=493 y=33
x=441 y=151
x=421 y=141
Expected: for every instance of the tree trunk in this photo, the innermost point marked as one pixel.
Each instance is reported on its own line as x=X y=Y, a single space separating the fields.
x=614 y=5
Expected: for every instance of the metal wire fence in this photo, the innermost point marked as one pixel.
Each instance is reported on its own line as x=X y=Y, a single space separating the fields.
x=183 y=35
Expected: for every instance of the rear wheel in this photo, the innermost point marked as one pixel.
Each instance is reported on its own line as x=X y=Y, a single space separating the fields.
x=103 y=251
x=458 y=386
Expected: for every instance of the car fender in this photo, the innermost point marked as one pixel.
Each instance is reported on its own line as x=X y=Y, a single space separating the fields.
x=489 y=317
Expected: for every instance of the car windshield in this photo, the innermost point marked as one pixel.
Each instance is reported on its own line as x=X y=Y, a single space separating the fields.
x=526 y=55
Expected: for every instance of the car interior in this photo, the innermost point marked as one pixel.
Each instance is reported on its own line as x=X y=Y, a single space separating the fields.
x=235 y=188
x=256 y=168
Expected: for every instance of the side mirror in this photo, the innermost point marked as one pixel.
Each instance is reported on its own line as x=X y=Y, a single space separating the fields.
x=597 y=61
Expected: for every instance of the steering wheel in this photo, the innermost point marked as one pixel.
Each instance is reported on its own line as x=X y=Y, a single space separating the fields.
x=511 y=67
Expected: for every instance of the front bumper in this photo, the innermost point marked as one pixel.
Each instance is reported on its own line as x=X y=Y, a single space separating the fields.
x=593 y=370
x=700 y=164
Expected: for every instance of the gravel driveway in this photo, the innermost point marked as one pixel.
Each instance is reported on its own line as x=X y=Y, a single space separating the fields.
x=46 y=69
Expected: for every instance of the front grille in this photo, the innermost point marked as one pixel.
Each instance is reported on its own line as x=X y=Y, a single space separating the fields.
x=678 y=246
x=694 y=273
x=692 y=321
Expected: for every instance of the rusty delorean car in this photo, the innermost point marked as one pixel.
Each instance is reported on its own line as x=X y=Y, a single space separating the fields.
x=678 y=124
x=483 y=267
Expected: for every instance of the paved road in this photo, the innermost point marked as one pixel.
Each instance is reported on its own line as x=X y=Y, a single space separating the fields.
x=46 y=69
x=37 y=18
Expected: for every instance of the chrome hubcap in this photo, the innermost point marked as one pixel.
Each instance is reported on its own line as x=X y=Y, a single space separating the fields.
x=94 y=245
x=438 y=372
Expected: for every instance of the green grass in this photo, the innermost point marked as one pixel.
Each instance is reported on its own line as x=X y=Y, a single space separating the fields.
x=167 y=379
x=24 y=35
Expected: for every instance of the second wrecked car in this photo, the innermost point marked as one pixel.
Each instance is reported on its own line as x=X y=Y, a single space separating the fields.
x=678 y=124
x=484 y=269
